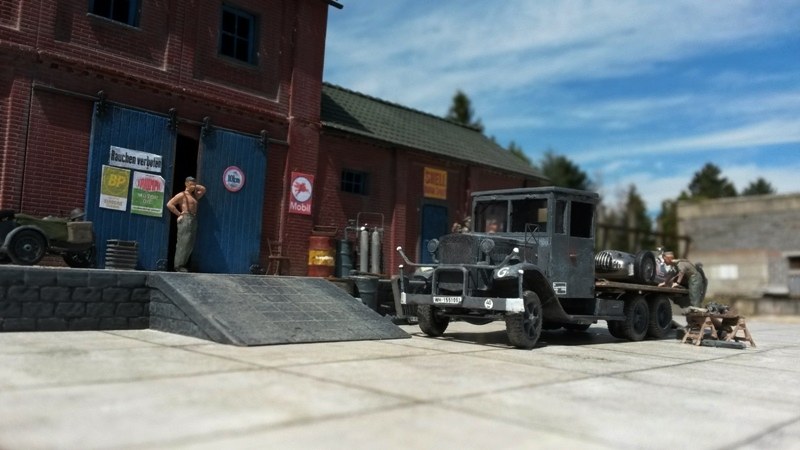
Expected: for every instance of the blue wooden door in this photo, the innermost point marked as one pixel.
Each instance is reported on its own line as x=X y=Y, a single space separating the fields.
x=233 y=169
x=142 y=132
x=434 y=226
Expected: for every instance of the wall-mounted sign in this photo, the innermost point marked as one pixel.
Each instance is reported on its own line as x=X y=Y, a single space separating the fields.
x=114 y=188
x=133 y=159
x=434 y=183
x=233 y=179
x=147 y=195
x=300 y=193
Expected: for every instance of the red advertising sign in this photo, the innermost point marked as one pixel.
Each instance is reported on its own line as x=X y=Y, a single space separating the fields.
x=300 y=193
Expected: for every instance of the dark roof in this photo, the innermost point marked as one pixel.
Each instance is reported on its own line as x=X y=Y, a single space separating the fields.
x=360 y=114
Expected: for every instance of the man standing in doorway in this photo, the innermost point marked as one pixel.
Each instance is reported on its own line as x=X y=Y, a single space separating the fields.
x=184 y=205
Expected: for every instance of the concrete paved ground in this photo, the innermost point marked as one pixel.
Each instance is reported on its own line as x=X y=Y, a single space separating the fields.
x=147 y=389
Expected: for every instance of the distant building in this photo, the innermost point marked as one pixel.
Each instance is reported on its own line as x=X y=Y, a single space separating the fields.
x=749 y=246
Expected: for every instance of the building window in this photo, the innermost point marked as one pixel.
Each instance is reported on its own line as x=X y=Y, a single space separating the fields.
x=125 y=11
x=354 y=182
x=238 y=35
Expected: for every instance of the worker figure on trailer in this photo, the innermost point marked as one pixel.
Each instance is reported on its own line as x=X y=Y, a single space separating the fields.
x=687 y=274
x=184 y=206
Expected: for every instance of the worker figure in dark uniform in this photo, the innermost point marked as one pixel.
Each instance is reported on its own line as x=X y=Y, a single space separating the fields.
x=687 y=275
x=184 y=205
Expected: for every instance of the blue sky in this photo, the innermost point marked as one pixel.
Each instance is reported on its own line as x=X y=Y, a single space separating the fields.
x=634 y=92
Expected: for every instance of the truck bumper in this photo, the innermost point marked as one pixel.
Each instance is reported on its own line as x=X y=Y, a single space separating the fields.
x=510 y=305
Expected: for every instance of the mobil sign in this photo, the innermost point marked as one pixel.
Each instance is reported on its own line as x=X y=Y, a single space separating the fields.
x=300 y=191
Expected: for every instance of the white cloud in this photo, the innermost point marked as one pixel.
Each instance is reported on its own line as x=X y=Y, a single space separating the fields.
x=419 y=56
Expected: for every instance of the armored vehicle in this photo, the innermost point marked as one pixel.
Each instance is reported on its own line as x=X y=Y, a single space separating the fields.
x=530 y=262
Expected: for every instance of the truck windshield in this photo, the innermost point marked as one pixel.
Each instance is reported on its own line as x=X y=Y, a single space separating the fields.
x=490 y=217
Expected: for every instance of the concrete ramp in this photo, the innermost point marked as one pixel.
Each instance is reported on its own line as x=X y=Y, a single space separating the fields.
x=261 y=310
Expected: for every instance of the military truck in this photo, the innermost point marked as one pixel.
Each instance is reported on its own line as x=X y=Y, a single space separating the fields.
x=529 y=261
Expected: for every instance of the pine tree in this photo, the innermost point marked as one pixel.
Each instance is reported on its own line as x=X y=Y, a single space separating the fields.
x=759 y=187
x=461 y=112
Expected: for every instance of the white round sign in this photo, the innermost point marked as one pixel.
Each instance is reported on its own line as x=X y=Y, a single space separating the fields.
x=233 y=179
x=301 y=189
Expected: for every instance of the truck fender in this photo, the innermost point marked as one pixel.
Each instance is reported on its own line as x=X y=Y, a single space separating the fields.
x=534 y=280
x=16 y=230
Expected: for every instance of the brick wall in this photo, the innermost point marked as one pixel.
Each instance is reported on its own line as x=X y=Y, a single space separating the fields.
x=46 y=299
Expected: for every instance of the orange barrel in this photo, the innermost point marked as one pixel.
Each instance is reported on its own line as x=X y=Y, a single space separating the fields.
x=321 y=256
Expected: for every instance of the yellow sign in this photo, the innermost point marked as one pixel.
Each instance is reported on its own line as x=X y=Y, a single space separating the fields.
x=114 y=184
x=434 y=184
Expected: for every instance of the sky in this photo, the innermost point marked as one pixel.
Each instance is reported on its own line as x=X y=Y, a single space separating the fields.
x=637 y=93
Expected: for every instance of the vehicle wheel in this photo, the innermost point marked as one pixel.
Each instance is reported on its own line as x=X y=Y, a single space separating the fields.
x=615 y=329
x=27 y=247
x=660 y=323
x=644 y=269
x=637 y=319
x=524 y=328
x=4 y=258
x=80 y=260
x=577 y=326
x=430 y=322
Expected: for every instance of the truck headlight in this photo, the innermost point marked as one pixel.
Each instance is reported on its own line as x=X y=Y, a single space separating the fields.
x=433 y=245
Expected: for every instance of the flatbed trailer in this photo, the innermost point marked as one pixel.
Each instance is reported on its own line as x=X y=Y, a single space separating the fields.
x=618 y=287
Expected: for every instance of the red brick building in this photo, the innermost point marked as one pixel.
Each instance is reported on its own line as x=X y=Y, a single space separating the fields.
x=110 y=104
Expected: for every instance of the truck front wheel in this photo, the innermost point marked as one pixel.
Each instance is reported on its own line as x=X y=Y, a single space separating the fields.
x=430 y=322
x=524 y=328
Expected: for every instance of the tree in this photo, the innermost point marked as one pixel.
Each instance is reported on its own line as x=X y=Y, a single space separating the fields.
x=517 y=151
x=631 y=228
x=667 y=222
x=564 y=173
x=759 y=187
x=461 y=112
x=709 y=183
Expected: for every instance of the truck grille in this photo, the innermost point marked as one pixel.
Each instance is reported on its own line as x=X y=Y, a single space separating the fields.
x=458 y=249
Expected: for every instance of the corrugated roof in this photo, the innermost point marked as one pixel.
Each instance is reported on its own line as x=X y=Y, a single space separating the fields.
x=361 y=114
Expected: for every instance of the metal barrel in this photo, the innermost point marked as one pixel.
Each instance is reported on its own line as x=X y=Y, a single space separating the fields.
x=321 y=256
x=344 y=258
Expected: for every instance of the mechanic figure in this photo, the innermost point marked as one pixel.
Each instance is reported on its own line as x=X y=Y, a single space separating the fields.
x=685 y=269
x=463 y=227
x=184 y=205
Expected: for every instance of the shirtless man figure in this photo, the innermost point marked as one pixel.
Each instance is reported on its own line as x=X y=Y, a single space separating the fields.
x=184 y=205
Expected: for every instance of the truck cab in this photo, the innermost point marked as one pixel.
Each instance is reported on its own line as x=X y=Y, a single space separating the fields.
x=528 y=261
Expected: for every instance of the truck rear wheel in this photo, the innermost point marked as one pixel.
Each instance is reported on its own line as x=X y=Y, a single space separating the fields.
x=637 y=319
x=524 y=328
x=660 y=317
x=430 y=322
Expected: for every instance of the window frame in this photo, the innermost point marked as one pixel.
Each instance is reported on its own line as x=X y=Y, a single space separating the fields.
x=360 y=187
x=251 y=39
x=134 y=11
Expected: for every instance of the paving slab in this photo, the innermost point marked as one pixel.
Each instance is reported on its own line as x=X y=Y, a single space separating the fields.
x=468 y=389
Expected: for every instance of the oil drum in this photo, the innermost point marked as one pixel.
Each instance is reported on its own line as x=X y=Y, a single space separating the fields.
x=321 y=256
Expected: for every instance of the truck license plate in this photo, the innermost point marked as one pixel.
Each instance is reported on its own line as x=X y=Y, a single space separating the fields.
x=446 y=300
